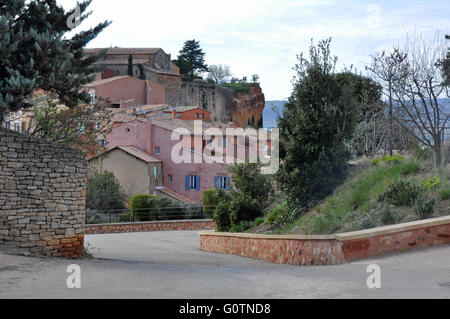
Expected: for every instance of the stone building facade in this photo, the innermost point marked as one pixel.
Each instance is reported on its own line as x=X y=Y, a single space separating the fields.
x=42 y=196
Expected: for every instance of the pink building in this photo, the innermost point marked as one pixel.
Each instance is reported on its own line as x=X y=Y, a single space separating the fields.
x=125 y=91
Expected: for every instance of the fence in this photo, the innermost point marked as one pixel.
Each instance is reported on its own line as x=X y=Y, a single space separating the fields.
x=193 y=212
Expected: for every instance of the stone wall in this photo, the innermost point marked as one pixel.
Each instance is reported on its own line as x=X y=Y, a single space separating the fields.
x=224 y=103
x=42 y=196
x=331 y=249
x=150 y=226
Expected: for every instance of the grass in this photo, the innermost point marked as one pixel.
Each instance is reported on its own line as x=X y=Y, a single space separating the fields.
x=238 y=87
x=358 y=203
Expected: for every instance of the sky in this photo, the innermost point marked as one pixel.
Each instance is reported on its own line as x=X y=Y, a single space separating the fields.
x=264 y=37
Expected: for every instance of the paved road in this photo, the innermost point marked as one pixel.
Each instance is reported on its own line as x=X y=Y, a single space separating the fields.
x=170 y=265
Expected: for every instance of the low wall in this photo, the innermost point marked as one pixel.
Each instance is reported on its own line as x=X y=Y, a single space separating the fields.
x=330 y=249
x=150 y=226
x=42 y=196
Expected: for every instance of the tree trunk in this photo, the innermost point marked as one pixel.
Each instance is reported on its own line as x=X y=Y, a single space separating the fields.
x=438 y=150
x=391 y=153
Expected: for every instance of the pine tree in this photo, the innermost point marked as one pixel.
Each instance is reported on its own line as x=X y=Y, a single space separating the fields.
x=191 y=59
x=35 y=54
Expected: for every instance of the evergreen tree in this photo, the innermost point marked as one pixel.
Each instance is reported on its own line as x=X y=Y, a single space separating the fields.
x=130 y=65
x=191 y=59
x=35 y=54
x=317 y=120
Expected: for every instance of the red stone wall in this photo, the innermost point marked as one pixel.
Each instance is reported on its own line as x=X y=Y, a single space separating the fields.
x=150 y=226
x=326 y=250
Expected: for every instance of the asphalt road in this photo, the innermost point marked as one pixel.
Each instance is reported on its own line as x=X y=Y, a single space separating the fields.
x=170 y=265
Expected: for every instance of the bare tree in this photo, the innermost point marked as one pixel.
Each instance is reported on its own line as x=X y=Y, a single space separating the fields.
x=418 y=92
x=388 y=69
x=219 y=73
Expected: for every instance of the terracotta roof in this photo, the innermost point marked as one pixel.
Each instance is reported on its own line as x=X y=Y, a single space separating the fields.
x=124 y=50
x=136 y=152
x=100 y=82
x=121 y=61
x=174 y=194
x=187 y=108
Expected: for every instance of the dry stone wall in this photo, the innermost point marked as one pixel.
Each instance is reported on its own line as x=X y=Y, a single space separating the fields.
x=42 y=196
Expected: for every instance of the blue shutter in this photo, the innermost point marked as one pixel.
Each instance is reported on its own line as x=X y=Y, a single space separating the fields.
x=228 y=184
x=224 y=142
x=198 y=182
x=187 y=182
x=216 y=182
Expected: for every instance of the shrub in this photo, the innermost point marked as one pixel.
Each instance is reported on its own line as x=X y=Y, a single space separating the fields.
x=241 y=227
x=432 y=183
x=388 y=217
x=424 y=207
x=445 y=194
x=258 y=221
x=211 y=198
x=410 y=168
x=402 y=194
x=393 y=159
x=143 y=207
x=375 y=161
x=245 y=208
x=277 y=215
x=104 y=192
x=222 y=214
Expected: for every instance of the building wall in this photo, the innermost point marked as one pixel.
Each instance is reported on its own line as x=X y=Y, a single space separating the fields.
x=172 y=83
x=42 y=196
x=207 y=172
x=124 y=88
x=135 y=175
x=135 y=133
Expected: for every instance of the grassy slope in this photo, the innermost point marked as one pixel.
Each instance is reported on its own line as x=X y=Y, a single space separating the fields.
x=355 y=205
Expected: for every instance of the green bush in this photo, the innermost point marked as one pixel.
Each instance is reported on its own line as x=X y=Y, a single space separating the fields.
x=410 y=168
x=258 y=221
x=388 y=217
x=241 y=227
x=143 y=207
x=445 y=194
x=211 y=198
x=432 y=183
x=277 y=215
x=222 y=214
x=245 y=208
x=402 y=194
x=104 y=192
x=393 y=159
x=424 y=207
x=376 y=161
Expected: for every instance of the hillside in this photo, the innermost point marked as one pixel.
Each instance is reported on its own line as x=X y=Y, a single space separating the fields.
x=388 y=190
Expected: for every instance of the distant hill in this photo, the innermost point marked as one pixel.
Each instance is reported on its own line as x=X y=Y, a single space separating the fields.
x=270 y=113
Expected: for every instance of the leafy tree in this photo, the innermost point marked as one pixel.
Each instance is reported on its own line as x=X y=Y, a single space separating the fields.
x=219 y=73
x=318 y=119
x=144 y=207
x=104 y=192
x=255 y=78
x=36 y=54
x=141 y=72
x=191 y=59
x=79 y=127
x=446 y=66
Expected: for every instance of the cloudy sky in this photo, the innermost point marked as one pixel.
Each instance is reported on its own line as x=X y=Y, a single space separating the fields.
x=265 y=36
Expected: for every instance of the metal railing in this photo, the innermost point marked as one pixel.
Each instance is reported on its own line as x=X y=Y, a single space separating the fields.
x=193 y=212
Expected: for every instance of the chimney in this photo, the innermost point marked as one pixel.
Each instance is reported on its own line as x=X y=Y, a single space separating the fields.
x=174 y=114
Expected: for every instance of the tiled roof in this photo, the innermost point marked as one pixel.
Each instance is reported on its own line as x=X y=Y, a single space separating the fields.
x=174 y=194
x=160 y=71
x=121 y=61
x=136 y=152
x=171 y=125
x=100 y=82
x=124 y=50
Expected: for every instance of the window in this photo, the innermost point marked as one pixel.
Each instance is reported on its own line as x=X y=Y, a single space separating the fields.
x=203 y=115
x=155 y=171
x=193 y=182
x=127 y=130
x=16 y=127
x=157 y=150
x=196 y=115
x=102 y=142
x=222 y=182
x=170 y=178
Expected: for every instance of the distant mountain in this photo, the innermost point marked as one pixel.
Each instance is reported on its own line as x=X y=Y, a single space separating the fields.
x=270 y=113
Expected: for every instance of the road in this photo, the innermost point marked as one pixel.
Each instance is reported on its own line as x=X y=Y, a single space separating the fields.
x=170 y=265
